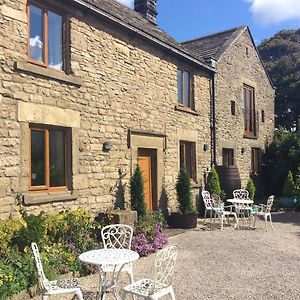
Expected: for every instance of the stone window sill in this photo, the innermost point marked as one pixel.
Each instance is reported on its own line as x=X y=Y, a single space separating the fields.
x=249 y=136
x=186 y=109
x=48 y=73
x=48 y=197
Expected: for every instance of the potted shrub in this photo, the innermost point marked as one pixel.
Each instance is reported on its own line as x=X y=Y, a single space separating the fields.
x=289 y=198
x=213 y=183
x=187 y=215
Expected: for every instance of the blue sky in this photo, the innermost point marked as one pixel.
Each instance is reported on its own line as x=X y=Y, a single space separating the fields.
x=188 y=19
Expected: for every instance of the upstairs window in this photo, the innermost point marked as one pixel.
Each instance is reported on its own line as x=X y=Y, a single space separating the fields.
x=185 y=88
x=232 y=107
x=249 y=111
x=46 y=34
x=48 y=158
x=188 y=158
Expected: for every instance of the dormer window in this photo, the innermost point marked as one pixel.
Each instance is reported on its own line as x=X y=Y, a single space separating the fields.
x=185 y=88
x=46 y=34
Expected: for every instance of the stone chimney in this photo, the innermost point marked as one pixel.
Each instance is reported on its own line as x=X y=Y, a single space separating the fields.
x=147 y=8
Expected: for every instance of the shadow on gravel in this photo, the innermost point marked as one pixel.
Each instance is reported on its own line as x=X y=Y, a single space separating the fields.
x=287 y=217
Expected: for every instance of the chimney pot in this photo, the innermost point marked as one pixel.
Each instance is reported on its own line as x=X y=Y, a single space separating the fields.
x=147 y=8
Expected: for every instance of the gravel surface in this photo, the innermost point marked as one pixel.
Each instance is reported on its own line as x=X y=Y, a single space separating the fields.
x=228 y=264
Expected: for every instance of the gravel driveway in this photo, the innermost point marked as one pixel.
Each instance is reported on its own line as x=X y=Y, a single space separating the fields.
x=230 y=264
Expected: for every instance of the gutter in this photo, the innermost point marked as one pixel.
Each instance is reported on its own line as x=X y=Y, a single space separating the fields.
x=213 y=123
x=143 y=34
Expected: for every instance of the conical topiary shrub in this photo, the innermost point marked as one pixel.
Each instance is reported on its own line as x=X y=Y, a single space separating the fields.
x=213 y=183
x=137 y=196
x=184 y=193
x=251 y=189
x=289 y=186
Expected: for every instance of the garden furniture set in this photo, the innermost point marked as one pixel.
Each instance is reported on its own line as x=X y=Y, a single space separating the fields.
x=242 y=208
x=116 y=257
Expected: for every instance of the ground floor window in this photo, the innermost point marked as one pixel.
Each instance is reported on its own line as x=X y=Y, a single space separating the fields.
x=49 y=166
x=256 y=161
x=188 y=158
x=228 y=157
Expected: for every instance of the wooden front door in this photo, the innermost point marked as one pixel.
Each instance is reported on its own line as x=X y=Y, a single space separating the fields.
x=147 y=163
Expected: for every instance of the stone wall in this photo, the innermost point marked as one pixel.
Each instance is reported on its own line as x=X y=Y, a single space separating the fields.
x=240 y=66
x=118 y=83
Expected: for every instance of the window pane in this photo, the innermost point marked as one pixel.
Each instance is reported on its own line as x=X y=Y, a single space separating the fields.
x=250 y=109
x=245 y=109
x=55 y=48
x=36 y=33
x=179 y=85
x=188 y=157
x=182 y=160
x=57 y=158
x=37 y=158
x=186 y=89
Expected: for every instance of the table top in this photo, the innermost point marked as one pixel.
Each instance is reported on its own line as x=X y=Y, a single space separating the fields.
x=240 y=201
x=109 y=256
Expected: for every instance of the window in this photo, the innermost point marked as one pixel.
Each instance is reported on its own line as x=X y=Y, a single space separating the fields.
x=249 y=110
x=48 y=158
x=255 y=161
x=185 y=88
x=262 y=116
x=188 y=158
x=228 y=157
x=46 y=35
x=232 y=108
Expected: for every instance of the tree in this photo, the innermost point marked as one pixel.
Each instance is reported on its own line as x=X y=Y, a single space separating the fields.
x=184 y=193
x=137 y=196
x=251 y=189
x=281 y=56
x=213 y=183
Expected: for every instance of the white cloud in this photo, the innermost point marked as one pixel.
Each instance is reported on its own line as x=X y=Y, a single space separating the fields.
x=129 y=3
x=274 y=11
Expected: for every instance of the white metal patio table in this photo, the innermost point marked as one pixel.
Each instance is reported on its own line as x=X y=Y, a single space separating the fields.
x=116 y=257
x=240 y=205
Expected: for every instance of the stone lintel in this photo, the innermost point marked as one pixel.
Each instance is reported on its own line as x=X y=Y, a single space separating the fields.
x=48 y=115
x=48 y=197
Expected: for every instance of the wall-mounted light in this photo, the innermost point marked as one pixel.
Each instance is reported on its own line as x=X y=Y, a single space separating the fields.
x=205 y=147
x=243 y=150
x=107 y=145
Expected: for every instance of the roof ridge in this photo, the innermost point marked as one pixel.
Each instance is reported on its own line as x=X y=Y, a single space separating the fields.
x=215 y=34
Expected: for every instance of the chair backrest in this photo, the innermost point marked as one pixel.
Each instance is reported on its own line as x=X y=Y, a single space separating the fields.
x=241 y=194
x=164 y=267
x=117 y=236
x=217 y=201
x=269 y=204
x=41 y=275
x=207 y=199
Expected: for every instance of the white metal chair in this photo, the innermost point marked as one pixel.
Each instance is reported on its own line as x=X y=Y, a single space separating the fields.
x=216 y=206
x=55 y=287
x=162 y=282
x=263 y=210
x=207 y=203
x=241 y=209
x=117 y=236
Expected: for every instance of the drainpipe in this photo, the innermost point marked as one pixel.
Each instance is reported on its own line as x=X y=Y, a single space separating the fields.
x=213 y=119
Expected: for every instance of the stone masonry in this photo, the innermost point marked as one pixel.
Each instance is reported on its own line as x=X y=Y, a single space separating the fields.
x=236 y=67
x=119 y=83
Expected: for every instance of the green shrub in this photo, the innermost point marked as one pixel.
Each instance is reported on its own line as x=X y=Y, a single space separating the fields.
x=8 y=229
x=137 y=196
x=213 y=183
x=289 y=186
x=32 y=231
x=251 y=189
x=184 y=193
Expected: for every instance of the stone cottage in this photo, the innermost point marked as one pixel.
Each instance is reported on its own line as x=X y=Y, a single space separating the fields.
x=243 y=106
x=91 y=88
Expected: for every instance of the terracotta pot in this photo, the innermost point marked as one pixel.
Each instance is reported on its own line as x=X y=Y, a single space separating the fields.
x=185 y=221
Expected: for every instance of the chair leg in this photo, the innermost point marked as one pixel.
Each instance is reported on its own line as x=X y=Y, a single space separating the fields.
x=222 y=219
x=44 y=297
x=79 y=295
x=266 y=220
x=172 y=293
x=271 y=222
x=205 y=215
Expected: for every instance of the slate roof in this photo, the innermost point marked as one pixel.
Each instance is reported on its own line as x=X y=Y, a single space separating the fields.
x=214 y=45
x=127 y=16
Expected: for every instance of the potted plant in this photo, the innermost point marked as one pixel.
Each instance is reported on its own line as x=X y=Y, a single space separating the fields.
x=187 y=215
x=289 y=198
